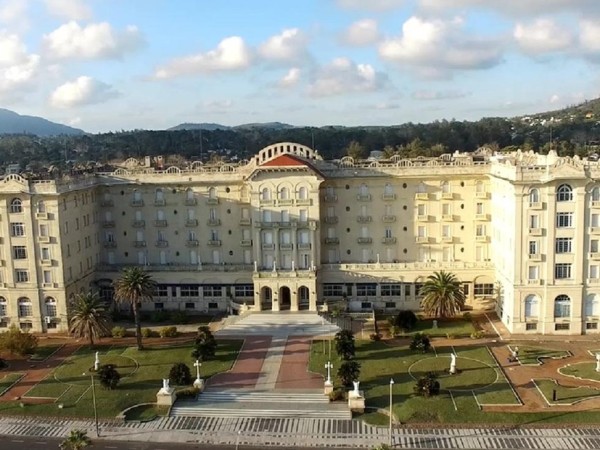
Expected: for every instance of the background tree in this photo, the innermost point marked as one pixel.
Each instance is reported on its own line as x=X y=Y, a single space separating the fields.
x=356 y=150
x=109 y=376
x=344 y=344
x=17 y=342
x=443 y=295
x=348 y=372
x=76 y=440
x=89 y=317
x=180 y=374
x=420 y=343
x=135 y=286
x=205 y=344
x=427 y=385
x=406 y=321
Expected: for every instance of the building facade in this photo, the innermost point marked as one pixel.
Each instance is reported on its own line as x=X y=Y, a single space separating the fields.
x=290 y=231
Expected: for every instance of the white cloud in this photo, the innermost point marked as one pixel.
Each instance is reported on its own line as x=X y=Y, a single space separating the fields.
x=82 y=91
x=291 y=78
x=69 y=9
x=555 y=98
x=542 y=36
x=232 y=53
x=436 y=46
x=289 y=45
x=514 y=7
x=18 y=68
x=589 y=37
x=217 y=106
x=370 y=5
x=363 y=32
x=94 y=41
x=343 y=76
x=439 y=95
x=14 y=15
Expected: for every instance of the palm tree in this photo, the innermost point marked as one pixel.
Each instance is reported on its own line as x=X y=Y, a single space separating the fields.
x=77 y=440
x=135 y=286
x=89 y=317
x=344 y=344
x=442 y=295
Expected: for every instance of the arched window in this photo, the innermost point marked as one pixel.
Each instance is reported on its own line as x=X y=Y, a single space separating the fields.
x=25 y=308
x=302 y=193
x=160 y=196
x=531 y=307
x=16 y=206
x=41 y=206
x=363 y=189
x=189 y=194
x=479 y=187
x=284 y=193
x=50 y=307
x=445 y=187
x=3 y=309
x=564 y=193
x=596 y=194
x=388 y=189
x=265 y=194
x=592 y=305
x=562 y=306
x=212 y=193
x=534 y=196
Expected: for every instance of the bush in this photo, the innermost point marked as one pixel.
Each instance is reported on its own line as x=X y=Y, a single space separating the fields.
x=179 y=317
x=159 y=316
x=348 y=372
x=118 y=332
x=467 y=316
x=394 y=330
x=190 y=392
x=3 y=364
x=427 y=385
x=147 y=333
x=477 y=334
x=180 y=374
x=109 y=376
x=406 y=320
x=344 y=344
x=17 y=342
x=375 y=336
x=336 y=395
x=205 y=345
x=168 y=332
x=420 y=343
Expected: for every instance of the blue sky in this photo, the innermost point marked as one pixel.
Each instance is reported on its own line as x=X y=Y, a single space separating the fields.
x=105 y=65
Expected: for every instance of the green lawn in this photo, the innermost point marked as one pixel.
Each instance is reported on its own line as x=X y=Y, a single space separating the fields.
x=142 y=373
x=8 y=380
x=457 y=327
x=535 y=355
x=564 y=394
x=146 y=413
x=43 y=352
x=584 y=370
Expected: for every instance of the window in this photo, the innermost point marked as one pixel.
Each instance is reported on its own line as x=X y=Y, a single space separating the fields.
x=16 y=206
x=25 y=308
x=533 y=247
x=596 y=194
x=41 y=206
x=594 y=246
x=421 y=210
x=592 y=305
x=43 y=230
x=212 y=193
x=531 y=307
x=47 y=276
x=534 y=221
x=333 y=290
x=50 y=307
x=562 y=271
x=562 y=326
x=534 y=196
x=479 y=208
x=591 y=326
x=388 y=190
x=363 y=190
x=533 y=272
x=265 y=194
x=564 y=193
x=480 y=230
x=190 y=305
x=418 y=287
x=531 y=327
x=446 y=209
x=159 y=306
x=445 y=187
x=244 y=290
x=421 y=232
x=17 y=229
x=366 y=289
x=388 y=233
x=391 y=290
x=189 y=290
x=162 y=290
x=563 y=245
x=562 y=306
x=284 y=193
x=22 y=276
x=595 y=220
x=564 y=220
x=481 y=289
x=3 y=309
x=19 y=252
x=446 y=231
x=212 y=291
x=366 y=305
x=213 y=305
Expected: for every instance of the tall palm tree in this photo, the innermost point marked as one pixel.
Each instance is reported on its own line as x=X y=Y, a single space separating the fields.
x=77 y=440
x=135 y=286
x=89 y=317
x=442 y=295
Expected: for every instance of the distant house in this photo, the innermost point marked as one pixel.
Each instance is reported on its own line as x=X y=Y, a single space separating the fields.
x=13 y=168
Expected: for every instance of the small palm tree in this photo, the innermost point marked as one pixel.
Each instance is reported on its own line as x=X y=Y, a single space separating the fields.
x=89 y=318
x=135 y=286
x=442 y=295
x=77 y=440
x=344 y=344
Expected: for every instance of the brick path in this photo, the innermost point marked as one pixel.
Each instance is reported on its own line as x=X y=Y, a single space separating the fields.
x=293 y=373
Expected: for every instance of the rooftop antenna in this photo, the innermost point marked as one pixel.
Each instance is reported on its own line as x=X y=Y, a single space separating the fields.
x=312 y=134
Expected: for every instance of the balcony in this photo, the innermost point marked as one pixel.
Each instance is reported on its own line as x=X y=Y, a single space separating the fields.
x=363 y=219
x=245 y=221
x=594 y=230
x=535 y=282
x=192 y=243
x=447 y=217
x=213 y=222
x=268 y=246
x=46 y=262
x=160 y=202
x=41 y=215
x=482 y=194
x=162 y=243
x=304 y=246
x=421 y=196
x=214 y=243
x=595 y=256
x=44 y=239
x=363 y=197
x=364 y=240
x=423 y=218
x=388 y=196
x=304 y=202
x=332 y=240
x=246 y=243
x=212 y=201
x=388 y=219
x=139 y=244
x=535 y=205
x=160 y=223
x=482 y=217
x=593 y=281
x=285 y=202
x=481 y=238
x=388 y=240
x=265 y=224
x=108 y=224
x=285 y=224
x=447 y=239
x=266 y=202
x=191 y=202
x=191 y=223
x=139 y=223
x=286 y=246
x=110 y=244
x=447 y=196
x=137 y=203
x=536 y=231
x=422 y=240
x=330 y=198
x=107 y=202
x=330 y=219
x=535 y=257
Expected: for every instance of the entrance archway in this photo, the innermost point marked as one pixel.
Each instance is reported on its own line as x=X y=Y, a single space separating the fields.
x=285 y=298
x=303 y=298
x=266 y=298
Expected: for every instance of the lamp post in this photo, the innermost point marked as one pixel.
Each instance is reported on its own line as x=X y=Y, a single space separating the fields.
x=94 y=405
x=391 y=413
x=328 y=366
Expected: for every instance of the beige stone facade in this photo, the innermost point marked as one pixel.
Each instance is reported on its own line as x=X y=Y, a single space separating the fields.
x=290 y=231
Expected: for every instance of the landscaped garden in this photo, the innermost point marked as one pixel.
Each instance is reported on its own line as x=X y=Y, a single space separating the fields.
x=582 y=370
x=534 y=356
x=68 y=388
x=557 y=394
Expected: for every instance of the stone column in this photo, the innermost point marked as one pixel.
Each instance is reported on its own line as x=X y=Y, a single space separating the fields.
x=257 y=248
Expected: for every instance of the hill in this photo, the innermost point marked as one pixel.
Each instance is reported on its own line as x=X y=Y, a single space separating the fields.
x=208 y=126
x=587 y=110
x=13 y=123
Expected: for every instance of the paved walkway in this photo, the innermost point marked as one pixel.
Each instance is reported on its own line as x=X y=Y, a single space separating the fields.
x=294 y=373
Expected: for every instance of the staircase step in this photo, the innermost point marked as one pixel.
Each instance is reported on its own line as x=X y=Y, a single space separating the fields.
x=262 y=397
x=269 y=413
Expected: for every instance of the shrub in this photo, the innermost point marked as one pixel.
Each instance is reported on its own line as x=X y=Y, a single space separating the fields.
x=375 y=336
x=3 y=364
x=395 y=330
x=17 y=342
x=467 y=316
x=337 y=395
x=190 y=392
x=118 y=332
x=109 y=376
x=382 y=447
x=147 y=332
x=427 y=385
x=420 y=343
x=406 y=320
x=179 y=317
x=205 y=345
x=159 y=316
x=348 y=372
x=168 y=332
x=477 y=334
x=180 y=374
x=344 y=344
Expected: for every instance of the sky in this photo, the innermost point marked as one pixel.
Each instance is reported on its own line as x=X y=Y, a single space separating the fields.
x=110 y=65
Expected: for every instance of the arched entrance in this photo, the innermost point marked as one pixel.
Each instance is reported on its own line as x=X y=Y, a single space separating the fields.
x=303 y=298
x=266 y=298
x=285 y=298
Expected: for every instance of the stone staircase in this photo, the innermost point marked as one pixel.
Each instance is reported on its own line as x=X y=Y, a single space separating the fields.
x=266 y=404
x=279 y=323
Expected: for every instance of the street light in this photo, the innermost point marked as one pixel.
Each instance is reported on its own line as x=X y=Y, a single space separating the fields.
x=391 y=413
x=328 y=366
x=94 y=405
